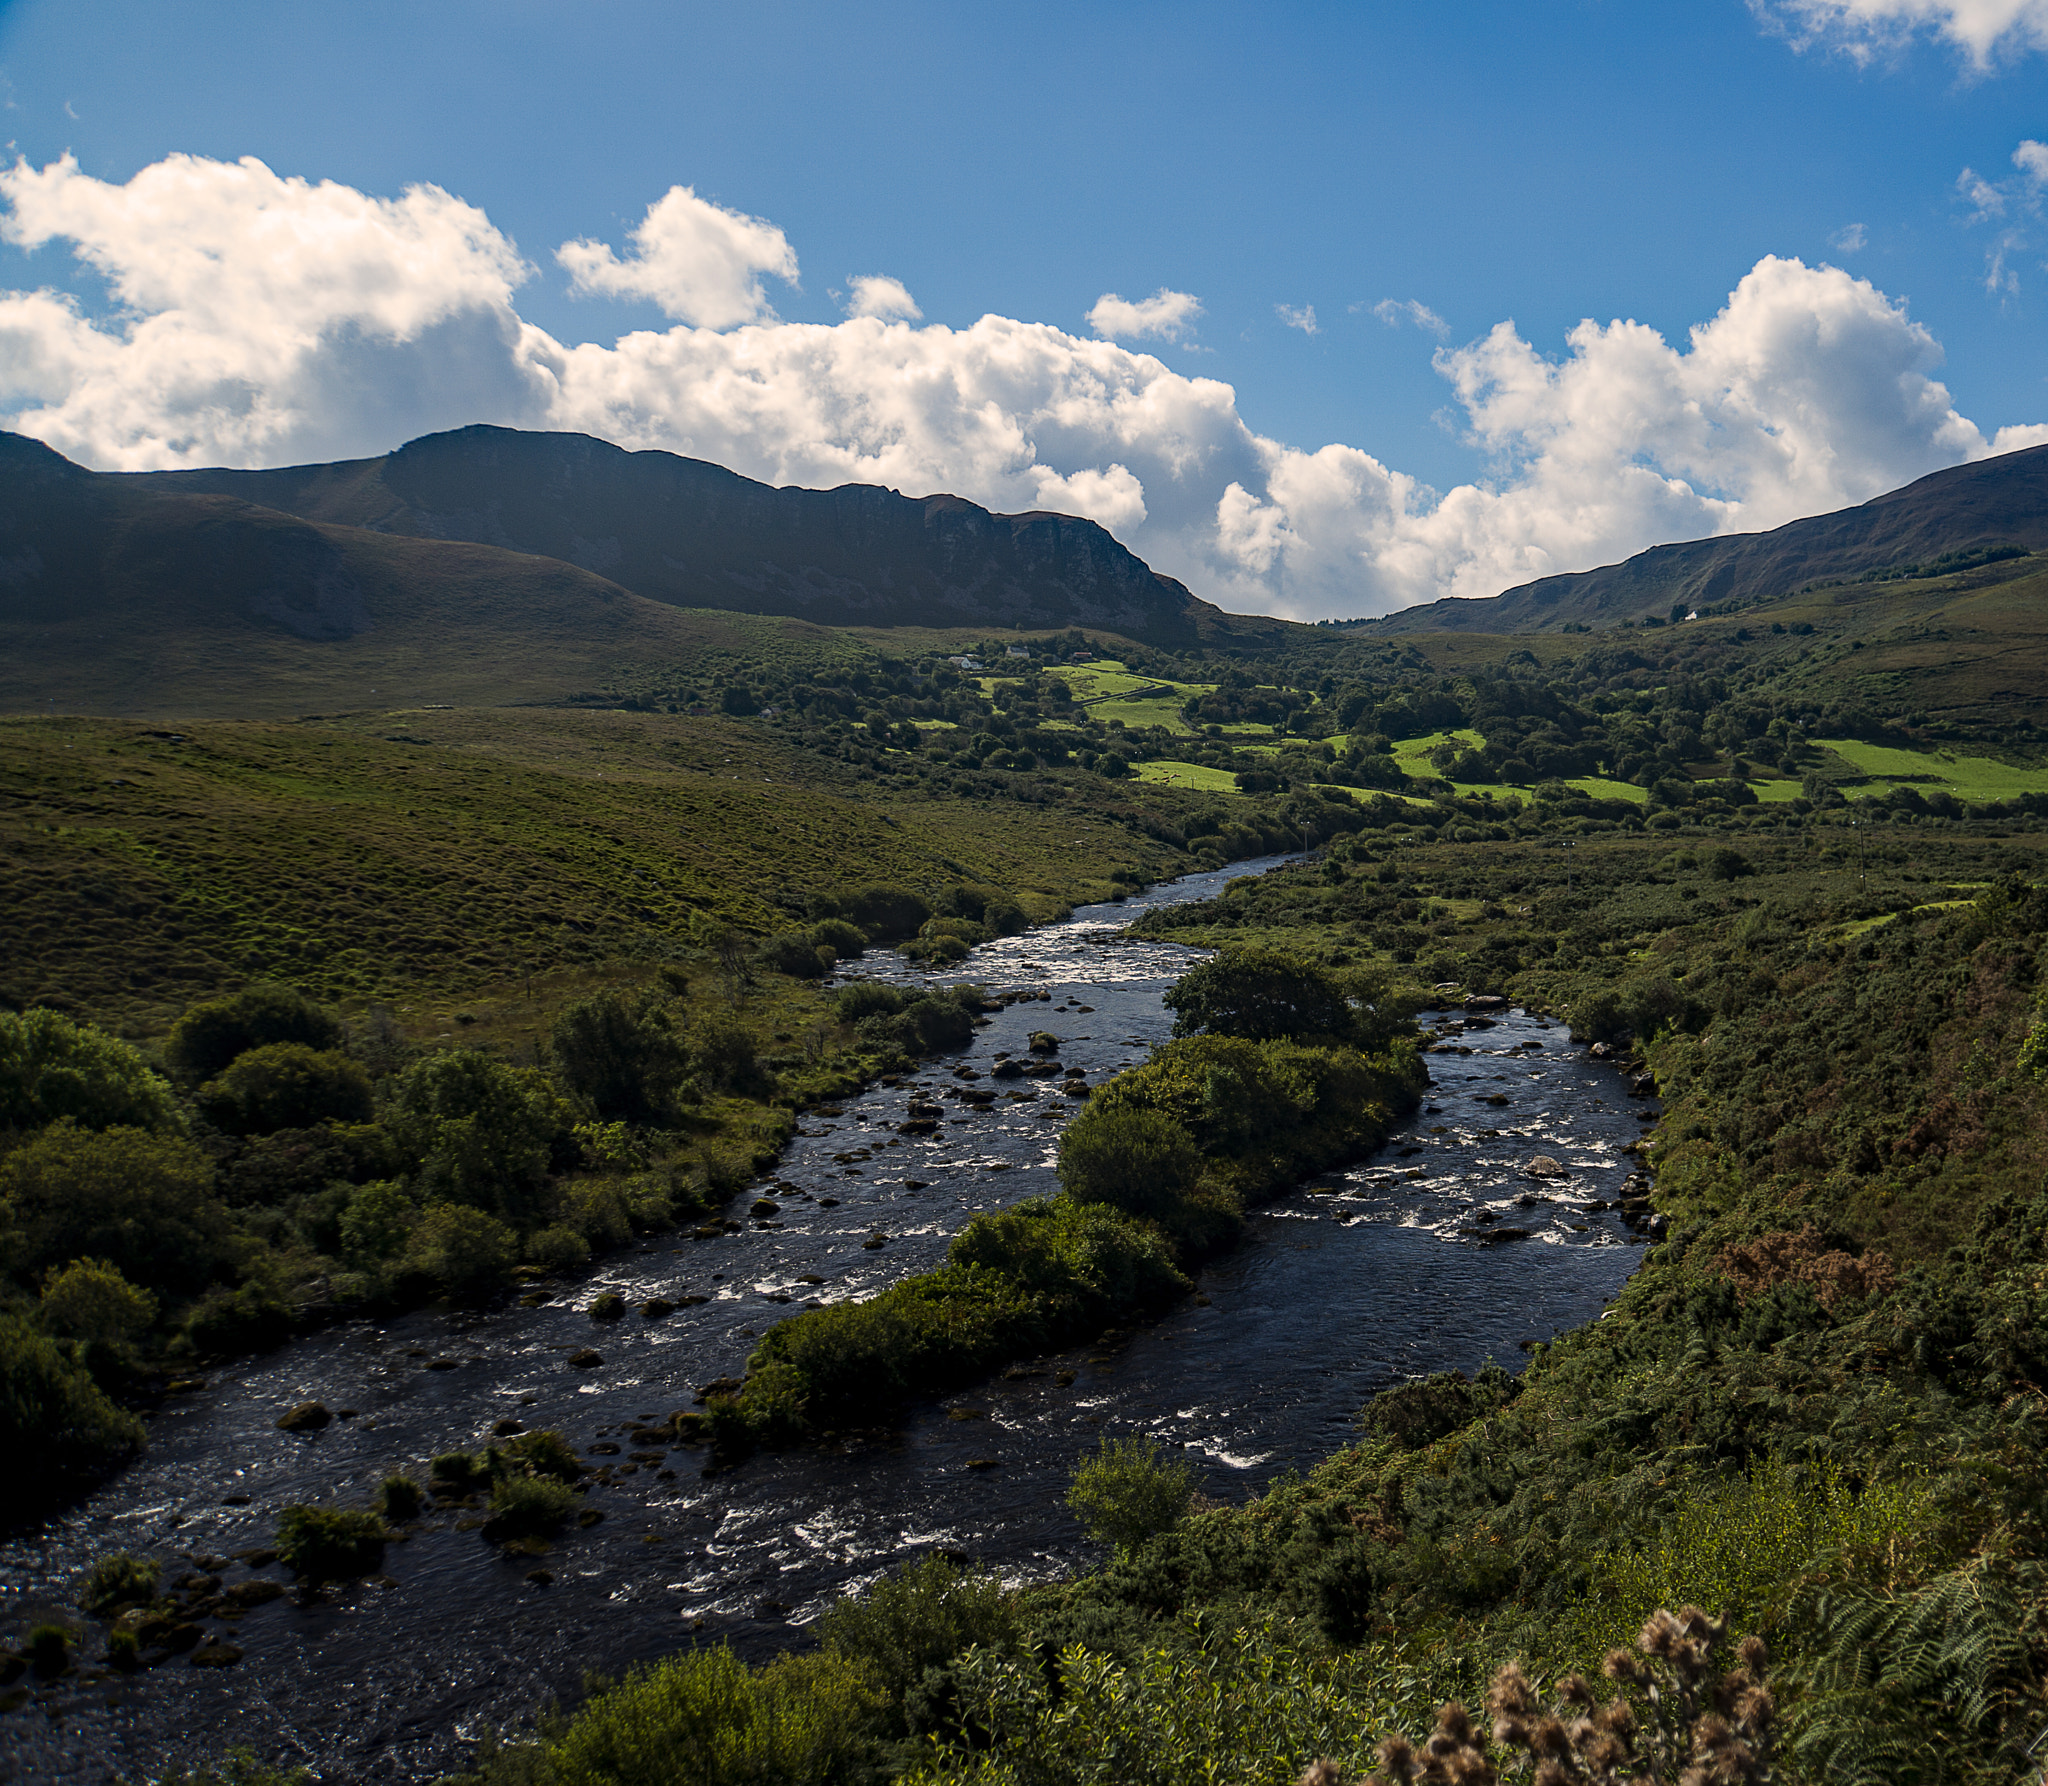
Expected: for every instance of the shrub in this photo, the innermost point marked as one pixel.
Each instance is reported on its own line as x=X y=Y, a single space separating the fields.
x=722 y=1049
x=704 y=1716
x=481 y=1130
x=1139 y=1161
x=527 y=1506
x=116 y=1581
x=142 y=1202
x=329 y=1543
x=286 y=1085
x=994 y=910
x=48 y=1649
x=623 y=1055
x=90 y=1300
x=921 y=1617
x=400 y=1498
x=887 y=914
x=794 y=953
x=244 y=1320
x=1130 y=1490
x=1259 y=995
x=867 y=998
x=52 y=1068
x=845 y=940
x=608 y=1306
x=557 y=1249
x=210 y=1036
x=460 y=1471
x=463 y=1250
x=544 y=1453
x=124 y=1652
x=927 y=1025
x=599 y=1210
x=377 y=1223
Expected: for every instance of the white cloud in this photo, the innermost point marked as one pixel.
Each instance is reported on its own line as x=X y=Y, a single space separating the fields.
x=1168 y=315
x=1395 y=311
x=700 y=262
x=2031 y=158
x=264 y=321
x=1867 y=29
x=877 y=295
x=1302 y=317
x=2016 y=205
x=1851 y=238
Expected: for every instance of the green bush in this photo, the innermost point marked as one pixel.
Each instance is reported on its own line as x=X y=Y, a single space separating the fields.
x=793 y=952
x=400 y=1498
x=1259 y=995
x=886 y=914
x=286 y=1085
x=1139 y=1161
x=124 y=1652
x=867 y=998
x=722 y=1050
x=330 y=1543
x=1130 y=1490
x=377 y=1223
x=462 y=1472
x=249 y=1319
x=48 y=1649
x=461 y=1250
x=140 y=1201
x=918 y=1618
x=91 y=1301
x=241 y=1768
x=991 y=908
x=116 y=1581
x=52 y=1068
x=847 y=941
x=482 y=1131
x=703 y=1718
x=557 y=1249
x=622 y=1054
x=209 y=1036
x=544 y=1453
x=530 y=1506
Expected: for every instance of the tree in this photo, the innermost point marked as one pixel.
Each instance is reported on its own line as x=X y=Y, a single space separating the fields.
x=377 y=1222
x=723 y=1049
x=286 y=1085
x=141 y=1202
x=209 y=1036
x=52 y=1068
x=621 y=1054
x=481 y=1131
x=55 y=1421
x=1259 y=995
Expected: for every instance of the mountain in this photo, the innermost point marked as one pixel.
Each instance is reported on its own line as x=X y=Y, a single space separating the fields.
x=695 y=535
x=1965 y=509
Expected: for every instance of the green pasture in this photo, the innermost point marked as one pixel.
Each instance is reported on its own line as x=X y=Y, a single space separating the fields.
x=1968 y=778
x=1198 y=776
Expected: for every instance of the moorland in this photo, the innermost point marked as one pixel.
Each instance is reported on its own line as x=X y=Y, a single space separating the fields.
x=318 y=1003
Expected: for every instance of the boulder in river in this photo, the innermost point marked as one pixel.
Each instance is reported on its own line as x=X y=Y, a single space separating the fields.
x=1486 y=1001
x=307 y=1417
x=1541 y=1165
x=585 y=1359
x=1043 y=1041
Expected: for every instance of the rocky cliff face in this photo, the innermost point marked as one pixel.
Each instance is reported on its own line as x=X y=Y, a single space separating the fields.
x=693 y=534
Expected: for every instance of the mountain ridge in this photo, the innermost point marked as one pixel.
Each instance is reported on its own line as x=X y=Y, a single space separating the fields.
x=1985 y=502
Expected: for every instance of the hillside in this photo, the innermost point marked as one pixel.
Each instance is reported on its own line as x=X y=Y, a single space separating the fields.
x=1989 y=503
x=692 y=534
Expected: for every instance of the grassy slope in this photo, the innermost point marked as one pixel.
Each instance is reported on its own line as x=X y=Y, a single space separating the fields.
x=425 y=856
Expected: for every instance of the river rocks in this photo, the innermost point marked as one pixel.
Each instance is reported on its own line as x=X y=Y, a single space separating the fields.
x=1642 y=1085
x=1007 y=1069
x=610 y=1306
x=216 y=1655
x=1486 y=1001
x=1043 y=1041
x=918 y=1125
x=763 y=1206
x=655 y=1307
x=259 y=1592
x=585 y=1359
x=875 y=1241
x=306 y=1417
x=1541 y=1165
x=982 y=1463
x=1078 y=1088
x=1495 y=1236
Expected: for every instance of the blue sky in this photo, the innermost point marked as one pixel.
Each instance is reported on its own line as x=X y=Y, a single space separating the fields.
x=1416 y=175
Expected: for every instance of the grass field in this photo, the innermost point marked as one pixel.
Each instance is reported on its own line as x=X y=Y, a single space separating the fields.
x=1107 y=688
x=428 y=857
x=1189 y=775
x=1968 y=778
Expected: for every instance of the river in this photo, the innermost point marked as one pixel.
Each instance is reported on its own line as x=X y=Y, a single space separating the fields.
x=1347 y=1284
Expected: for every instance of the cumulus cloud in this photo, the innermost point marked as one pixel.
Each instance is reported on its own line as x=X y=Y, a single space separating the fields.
x=260 y=320
x=1167 y=315
x=1298 y=316
x=877 y=295
x=1395 y=311
x=1867 y=29
x=700 y=262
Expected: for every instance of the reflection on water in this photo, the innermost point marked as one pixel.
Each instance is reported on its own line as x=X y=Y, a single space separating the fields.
x=1345 y=1285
